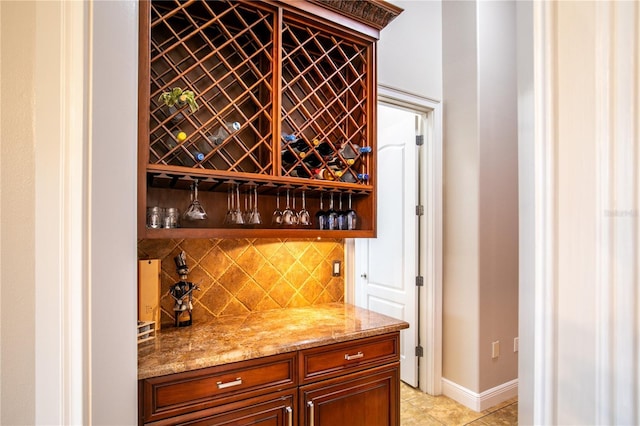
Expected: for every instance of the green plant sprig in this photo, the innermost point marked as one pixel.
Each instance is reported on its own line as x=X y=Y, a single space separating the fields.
x=179 y=97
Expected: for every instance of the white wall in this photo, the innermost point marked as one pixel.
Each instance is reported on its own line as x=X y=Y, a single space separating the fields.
x=481 y=199
x=68 y=206
x=113 y=201
x=461 y=312
x=410 y=49
x=580 y=88
x=18 y=242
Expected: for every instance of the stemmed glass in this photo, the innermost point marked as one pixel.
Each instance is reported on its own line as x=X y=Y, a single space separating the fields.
x=303 y=215
x=341 y=219
x=288 y=215
x=228 y=218
x=234 y=215
x=351 y=217
x=246 y=214
x=295 y=219
x=195 y=211
x=254 y=217
x=276 y=218
x=321 y=215
x=332 y=215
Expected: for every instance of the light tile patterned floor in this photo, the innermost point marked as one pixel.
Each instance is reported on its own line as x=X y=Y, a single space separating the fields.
x=420 y=409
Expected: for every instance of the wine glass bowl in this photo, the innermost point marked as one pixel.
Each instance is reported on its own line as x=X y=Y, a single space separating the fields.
x=304 y=217
x=195 y=211
x=276 y=217
x=288 y=215
x=254 y=216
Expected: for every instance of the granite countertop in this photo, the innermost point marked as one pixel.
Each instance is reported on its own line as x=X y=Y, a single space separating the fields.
x=258 y=334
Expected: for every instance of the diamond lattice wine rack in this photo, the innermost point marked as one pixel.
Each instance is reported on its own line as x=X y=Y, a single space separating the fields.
x=253 y=101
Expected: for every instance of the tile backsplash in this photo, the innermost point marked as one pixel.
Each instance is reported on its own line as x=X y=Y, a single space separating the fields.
x=237 y=276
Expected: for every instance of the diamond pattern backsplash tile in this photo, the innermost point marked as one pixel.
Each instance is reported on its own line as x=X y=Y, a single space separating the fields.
x=237 y=276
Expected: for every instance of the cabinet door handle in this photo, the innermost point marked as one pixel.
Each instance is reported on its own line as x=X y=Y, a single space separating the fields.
x=236 y=382
x=352 y=357
x=310 y=405
x=289 y=415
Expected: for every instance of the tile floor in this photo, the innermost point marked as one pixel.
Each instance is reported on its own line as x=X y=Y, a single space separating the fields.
x=420 y=409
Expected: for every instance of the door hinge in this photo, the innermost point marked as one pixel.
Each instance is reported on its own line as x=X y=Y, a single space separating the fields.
x=419 y=140
x=419 y=210
x=419 y=281
x=419 y=351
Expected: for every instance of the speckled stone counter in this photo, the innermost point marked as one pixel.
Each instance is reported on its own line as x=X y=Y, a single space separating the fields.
x=258 y=334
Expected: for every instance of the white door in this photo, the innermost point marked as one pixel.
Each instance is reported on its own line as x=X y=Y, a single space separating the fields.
x=386 y=267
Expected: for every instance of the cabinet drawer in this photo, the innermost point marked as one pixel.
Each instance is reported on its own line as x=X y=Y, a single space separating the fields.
x=277 y=408
x=180 y=393
x=341 y=358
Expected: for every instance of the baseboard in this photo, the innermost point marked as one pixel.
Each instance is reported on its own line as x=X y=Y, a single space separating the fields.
x=480 y=401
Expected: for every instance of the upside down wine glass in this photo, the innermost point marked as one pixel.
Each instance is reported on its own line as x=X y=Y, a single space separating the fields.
x=195 y=211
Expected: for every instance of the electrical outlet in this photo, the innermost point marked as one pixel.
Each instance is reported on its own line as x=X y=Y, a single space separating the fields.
x=516 y=344
x=495 y=349
x=336 y=268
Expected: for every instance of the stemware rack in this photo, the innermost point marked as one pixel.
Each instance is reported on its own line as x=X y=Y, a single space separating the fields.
x=284 y=72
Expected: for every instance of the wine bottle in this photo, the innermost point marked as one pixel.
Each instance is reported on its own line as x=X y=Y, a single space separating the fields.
x=289 y=158
x=288 y=137
x=323 y=174
x=312 y=161
x=299 y=171
x=348 y=177
x=349 y=151
x=323 y=148
x=299 y=146
x=223 y=132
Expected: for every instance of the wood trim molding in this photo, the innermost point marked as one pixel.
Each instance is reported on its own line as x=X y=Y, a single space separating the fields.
x=483 y=400
x=617 y=247
x=376 y=13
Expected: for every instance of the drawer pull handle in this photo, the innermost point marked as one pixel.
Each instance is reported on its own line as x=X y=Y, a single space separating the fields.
x=236 y=382
x=289 y=415
x=310 y=404
x=352 y=357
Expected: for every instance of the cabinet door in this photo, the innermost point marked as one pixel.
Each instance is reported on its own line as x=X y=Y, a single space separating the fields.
x=267 y=410
x=367 y=398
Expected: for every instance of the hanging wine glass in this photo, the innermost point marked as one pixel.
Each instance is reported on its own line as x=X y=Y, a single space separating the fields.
x=246 y=213
x=228 y=218
x=321 y=215
x=351 y=216
x=332 y=215
x=254 y=217
x=237 y=213
x=288 y=215
x=295 y=219
x=276 y=217
x=304 y=216
x=195 y=211
x=341 y=220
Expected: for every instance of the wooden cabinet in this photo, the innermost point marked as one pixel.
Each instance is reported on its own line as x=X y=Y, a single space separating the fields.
x=355 y=383
x=286 y=96
x=191 y=392
x=367 y=398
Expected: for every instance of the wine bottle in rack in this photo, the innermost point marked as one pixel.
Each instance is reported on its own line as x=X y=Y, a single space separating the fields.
x=348 y=177
x=323 y=174
x=353 y=151
x=299 y=171
x=323 y=148
x=223 y=132
x=312 y=161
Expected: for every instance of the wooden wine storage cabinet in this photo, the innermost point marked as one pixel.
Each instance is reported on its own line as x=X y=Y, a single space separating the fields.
x=299 y=80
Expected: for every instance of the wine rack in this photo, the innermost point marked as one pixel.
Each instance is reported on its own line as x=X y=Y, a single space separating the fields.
x=223 y=51
x=286 y=101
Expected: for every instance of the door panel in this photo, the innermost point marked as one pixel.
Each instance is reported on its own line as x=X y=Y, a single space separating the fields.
x=387 y=265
